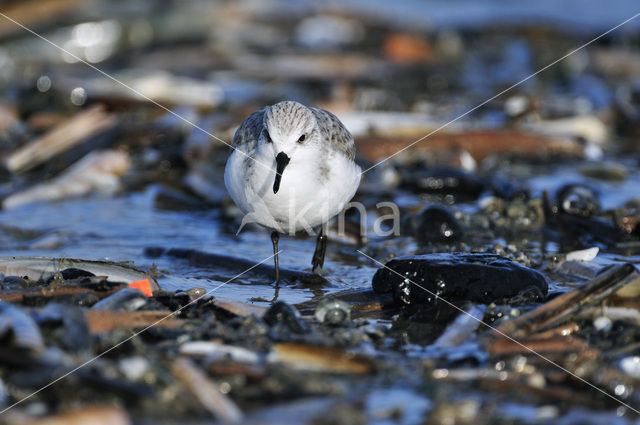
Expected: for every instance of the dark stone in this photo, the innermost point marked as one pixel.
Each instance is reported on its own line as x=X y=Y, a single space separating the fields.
x=287 y=315
x=478 y=277
x=436 y=223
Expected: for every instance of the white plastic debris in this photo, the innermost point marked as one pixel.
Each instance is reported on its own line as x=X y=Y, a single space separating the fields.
x=631 y=366
x=584 y=254
x=602 y=323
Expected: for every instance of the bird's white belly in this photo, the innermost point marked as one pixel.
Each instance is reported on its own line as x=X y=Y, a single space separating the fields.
x=308 y=197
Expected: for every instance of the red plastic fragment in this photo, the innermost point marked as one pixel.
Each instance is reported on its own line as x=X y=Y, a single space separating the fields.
x=142 y=285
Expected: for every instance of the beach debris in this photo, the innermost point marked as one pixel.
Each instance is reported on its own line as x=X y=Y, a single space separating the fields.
x=215 y=351
x=98 y=172
x=362 y=302
x=60 y=138
x=319 y=359
x=95 y=415
x=144 y=286
x=587 y=254
x=480 y=144
x=159 y=86
x=126 y=299
x=564 y=307
x=461 y=329
x=206 y=391
x=587 y=127
x=317 y=65
x=239 y=308
x=101 y=321
x=38 y=268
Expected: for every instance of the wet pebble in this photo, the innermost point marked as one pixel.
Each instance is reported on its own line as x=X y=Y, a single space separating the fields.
x=281 y=313
x=436 y=223
x=333 y=312
x=478 y=277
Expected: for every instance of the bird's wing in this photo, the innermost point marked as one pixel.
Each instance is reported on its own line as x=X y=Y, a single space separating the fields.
x=338 y=135
x=247 y=134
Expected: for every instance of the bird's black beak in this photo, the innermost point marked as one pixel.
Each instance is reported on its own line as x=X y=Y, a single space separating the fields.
x=281 y=162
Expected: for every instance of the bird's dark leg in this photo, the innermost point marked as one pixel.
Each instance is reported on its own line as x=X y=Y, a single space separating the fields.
x=321 y=249
x=275 y=237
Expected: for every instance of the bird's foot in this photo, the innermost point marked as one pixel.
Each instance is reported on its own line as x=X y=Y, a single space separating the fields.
x=317 y=265
x=317 y=261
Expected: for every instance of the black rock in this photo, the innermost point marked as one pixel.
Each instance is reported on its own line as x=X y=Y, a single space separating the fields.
x=281 y=313
x=478 y=277
x=436 y=223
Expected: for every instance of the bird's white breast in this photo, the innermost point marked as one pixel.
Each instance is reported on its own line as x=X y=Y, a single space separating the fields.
x=315 y=187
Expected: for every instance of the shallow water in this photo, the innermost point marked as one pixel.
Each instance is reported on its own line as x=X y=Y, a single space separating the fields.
x=120 y=229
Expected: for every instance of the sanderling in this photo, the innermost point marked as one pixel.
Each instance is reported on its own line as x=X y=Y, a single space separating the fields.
x=321 y=175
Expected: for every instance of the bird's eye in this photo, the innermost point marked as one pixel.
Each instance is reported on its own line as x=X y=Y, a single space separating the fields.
x=301 y=139
x=267 y=136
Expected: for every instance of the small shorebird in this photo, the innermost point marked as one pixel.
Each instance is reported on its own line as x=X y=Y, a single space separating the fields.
x=321 y=176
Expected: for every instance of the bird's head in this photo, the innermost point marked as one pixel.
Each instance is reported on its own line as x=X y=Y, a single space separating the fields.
x=288 y=126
